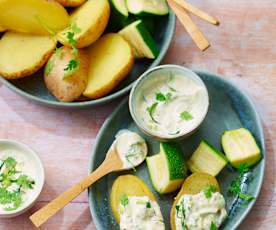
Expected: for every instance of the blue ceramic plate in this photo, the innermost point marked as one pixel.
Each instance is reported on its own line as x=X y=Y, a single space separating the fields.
x=230 y=108
x=33 y=87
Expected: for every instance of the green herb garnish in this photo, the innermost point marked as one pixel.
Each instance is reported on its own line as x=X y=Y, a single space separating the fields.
x=133 y=151
x=235 y=186
x=124 y=199
x=10 y=177
x=209 y=190
x=148 y=205
x=163 y=97
x=180 y=213
x=58 y=52
x=151 y=109
x=186 y=116
x=213 y=226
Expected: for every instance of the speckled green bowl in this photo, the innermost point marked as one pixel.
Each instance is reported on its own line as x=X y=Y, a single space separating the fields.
x=230 y=108
x=33 y=87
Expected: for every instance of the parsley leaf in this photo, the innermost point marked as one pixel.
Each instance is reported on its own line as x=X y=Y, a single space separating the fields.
x=151 y=110
x=148 y=205
x=163 y=97
x=209 y=190
x=213 y=226
x=24 y=182
x=75 y=28
x=71 y=67
x=186 y=116
x=49 y=67
x=235 y=186
x=124 y=199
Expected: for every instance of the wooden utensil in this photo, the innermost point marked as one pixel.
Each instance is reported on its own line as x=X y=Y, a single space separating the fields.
x=111 y=163
x=194 y=10
x=181 y=9
x=189 y=25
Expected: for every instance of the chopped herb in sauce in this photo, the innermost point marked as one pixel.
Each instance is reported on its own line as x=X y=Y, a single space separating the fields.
x=163 y=97
x=209 y=190
x=151 y=109
x=124 y=199
x=186 y=116
x=133 y=151
x=13 y=184
x=213 y=226
x=180 y=213
x=235 y=186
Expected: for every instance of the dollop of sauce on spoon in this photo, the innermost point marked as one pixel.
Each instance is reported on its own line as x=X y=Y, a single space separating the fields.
x=131 y=148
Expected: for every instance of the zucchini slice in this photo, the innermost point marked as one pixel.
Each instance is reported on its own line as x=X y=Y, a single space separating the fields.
x=167 y=169
x=240 y=147
x=147 y=7
x=119 y=6
x=140 y=39
x=207 y=159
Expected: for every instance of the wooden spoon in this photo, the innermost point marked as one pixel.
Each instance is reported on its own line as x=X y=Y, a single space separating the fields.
x=111 y=163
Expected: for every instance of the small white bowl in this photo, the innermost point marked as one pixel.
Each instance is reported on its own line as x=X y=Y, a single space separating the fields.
x=27 y=153
x=153 y=74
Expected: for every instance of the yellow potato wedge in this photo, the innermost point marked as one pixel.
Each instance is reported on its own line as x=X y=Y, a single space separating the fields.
x=71 y=3
x=23 y=54
x=131 y=186
x=111 y=59
x=32 y=16
x=91 y=18
x=68 y=88
x=194 y=184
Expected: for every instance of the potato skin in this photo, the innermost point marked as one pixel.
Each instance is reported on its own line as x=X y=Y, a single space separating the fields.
x=71 y=88
x=15 y=46
x=71 y=3
x=89 y=34
x=194 y=184
x=131 y=186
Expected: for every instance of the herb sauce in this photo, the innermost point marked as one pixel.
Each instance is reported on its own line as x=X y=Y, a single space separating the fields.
x=172 y=105
x=140 y=213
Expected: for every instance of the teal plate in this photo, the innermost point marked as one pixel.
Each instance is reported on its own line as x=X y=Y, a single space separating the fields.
x=230 y=108
x=33 y=87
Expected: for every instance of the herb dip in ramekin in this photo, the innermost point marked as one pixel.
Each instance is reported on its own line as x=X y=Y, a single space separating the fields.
x=169 y=102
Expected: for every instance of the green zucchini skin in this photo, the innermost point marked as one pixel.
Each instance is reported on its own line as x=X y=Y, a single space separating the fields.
x=175 y=159
x=147 y=9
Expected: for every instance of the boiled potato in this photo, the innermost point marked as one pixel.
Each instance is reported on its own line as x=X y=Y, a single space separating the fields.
x=129 y=185
x=91 y=18
x=71 y=3
x=23 y=54
x=111 y=59
x=32 y=16
x=2 y=29
x=192 y=185
x=66 y=88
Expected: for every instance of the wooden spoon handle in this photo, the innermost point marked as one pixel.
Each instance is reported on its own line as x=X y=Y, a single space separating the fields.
x=42 y=215
x=189 y=25
x=194 y=10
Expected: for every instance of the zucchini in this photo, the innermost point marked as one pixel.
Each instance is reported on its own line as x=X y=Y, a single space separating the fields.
x=207 y=159
x=119 y=6
x=140 y=39
x=167 y=169
x=240 y=147
x=147 y=7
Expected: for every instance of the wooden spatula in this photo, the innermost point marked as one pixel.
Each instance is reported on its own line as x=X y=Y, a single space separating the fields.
x=111 y=163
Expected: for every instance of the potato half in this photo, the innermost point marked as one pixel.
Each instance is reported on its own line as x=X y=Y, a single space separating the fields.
x=32 y=16
x=2 y=29
x=70 y=88
x=131 y=186
x=192 y=185
x=71 y=3
x=23 y=54
x=92 y=18
x=111 y=59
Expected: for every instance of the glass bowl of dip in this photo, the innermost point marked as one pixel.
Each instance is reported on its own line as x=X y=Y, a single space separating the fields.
x=169 y=102
x=21 y=178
